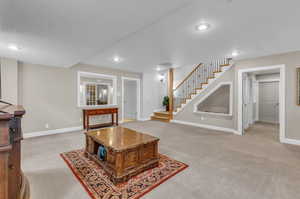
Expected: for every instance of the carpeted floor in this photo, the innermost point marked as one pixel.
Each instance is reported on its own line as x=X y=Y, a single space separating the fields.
x=221 y=165
x=97 y=183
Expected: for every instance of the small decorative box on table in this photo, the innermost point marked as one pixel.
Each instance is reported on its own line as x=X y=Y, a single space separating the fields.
x=122 y=152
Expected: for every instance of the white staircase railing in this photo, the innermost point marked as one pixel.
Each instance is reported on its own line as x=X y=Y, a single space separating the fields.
x=196 y=79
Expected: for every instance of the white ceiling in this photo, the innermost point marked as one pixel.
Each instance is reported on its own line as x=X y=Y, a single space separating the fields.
x=145 y=33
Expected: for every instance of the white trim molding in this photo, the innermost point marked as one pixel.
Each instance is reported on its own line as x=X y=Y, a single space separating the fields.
x=211 y=92
x=268 y=80
x=217 y=128
x=282 y=93
x=291 y=141
x=52 y=132
x=138 y=105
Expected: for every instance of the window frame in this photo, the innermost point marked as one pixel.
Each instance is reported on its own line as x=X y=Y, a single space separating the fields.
x=96 y=75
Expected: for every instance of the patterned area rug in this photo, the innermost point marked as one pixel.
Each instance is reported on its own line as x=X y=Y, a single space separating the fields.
x=97 y=184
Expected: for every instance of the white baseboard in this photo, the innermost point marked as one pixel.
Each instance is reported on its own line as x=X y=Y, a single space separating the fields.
x=52 y=132
x=217 y=128
x=290 y=141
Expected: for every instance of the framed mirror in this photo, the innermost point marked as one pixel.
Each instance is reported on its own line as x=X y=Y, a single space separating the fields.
x=298 y=86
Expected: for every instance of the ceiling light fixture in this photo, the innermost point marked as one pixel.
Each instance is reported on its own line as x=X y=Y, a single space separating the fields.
x=202 y=27
x=14 y=47
x=116 y=59
x=158 y=68
x=235 y=53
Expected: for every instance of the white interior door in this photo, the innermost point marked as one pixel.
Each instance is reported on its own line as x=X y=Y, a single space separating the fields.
x=248 y=100
x=269 y=102
x=130 y=99
x=246 y=109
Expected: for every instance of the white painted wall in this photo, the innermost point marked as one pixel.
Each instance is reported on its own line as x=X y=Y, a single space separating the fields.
x=153 y=92
x=181 y=72
x=9 y=80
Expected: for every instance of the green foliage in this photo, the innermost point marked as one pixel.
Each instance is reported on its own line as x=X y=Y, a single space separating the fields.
x=166 y=101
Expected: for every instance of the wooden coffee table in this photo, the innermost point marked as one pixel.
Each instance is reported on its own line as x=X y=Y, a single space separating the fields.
x=128 y=152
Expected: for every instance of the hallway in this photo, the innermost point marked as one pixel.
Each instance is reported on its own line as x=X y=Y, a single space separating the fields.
x=264 y=131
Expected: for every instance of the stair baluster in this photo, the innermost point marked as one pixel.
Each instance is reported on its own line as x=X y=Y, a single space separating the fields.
x=195 y=80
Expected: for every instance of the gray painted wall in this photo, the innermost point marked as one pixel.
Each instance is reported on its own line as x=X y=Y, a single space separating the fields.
x=49 y=94
x=217 y=102
x=9 y=80
x=291 y=60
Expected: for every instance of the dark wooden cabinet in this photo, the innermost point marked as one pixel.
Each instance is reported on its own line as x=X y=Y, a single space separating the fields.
x=13 y=183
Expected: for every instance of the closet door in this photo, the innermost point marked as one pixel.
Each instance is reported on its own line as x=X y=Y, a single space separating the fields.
x=269 y=102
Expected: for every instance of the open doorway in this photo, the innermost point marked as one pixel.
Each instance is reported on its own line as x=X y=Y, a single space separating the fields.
x=261 y=102
x=130 y=99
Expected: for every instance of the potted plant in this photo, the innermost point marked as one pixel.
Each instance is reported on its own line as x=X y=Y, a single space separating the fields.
x=166 y=102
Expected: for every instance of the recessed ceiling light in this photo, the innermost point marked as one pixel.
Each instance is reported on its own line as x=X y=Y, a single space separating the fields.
x=14 y=47
x=116 y=59
x=235 y=53
x=158 y=68
x=202 y=27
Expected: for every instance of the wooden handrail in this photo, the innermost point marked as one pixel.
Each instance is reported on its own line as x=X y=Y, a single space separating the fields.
x=229 y=59
x=188 y=76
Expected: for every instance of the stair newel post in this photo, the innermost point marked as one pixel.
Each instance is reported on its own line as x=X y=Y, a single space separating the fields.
x=170 y=91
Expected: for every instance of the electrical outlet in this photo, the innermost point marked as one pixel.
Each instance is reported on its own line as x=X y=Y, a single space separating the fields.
x=202 y=118
x=47 y=126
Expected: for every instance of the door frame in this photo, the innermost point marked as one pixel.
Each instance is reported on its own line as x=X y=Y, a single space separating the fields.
x=138 y=105
x=282 y=93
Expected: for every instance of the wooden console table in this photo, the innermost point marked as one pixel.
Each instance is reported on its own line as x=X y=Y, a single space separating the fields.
x=101 y=111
